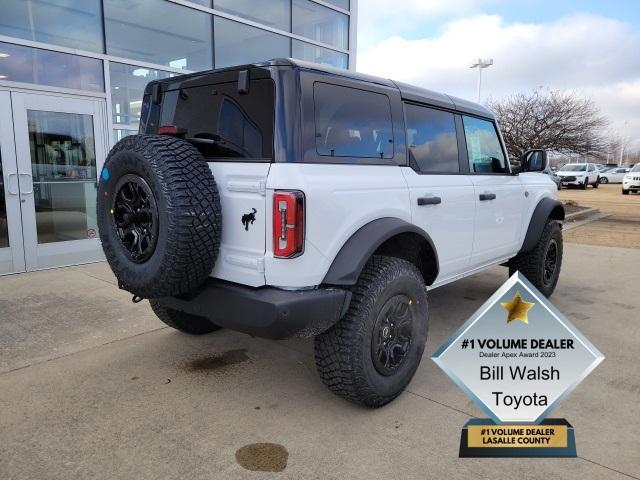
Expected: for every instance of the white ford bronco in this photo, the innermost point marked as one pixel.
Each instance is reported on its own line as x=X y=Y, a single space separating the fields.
x=287 y=198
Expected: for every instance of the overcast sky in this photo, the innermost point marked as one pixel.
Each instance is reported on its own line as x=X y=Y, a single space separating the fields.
x=591 y=47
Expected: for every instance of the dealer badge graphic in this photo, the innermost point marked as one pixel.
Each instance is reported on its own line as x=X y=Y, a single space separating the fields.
x=517 y=357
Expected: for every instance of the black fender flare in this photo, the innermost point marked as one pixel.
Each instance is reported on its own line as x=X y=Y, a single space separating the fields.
x=356 y=251
x=546 y=208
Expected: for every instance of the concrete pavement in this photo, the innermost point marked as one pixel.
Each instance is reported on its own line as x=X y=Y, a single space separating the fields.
x=92 y=386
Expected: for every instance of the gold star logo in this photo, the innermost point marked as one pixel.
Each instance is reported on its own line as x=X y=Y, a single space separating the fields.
x=517 y=309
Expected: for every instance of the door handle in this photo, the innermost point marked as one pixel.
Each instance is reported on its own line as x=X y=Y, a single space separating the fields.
x=9 y=175
x=26 y=174
x=487 y=196
x=429 y=201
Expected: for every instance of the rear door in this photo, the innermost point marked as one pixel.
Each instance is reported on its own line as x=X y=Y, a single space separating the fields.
x=233 y=127
x=442 y=197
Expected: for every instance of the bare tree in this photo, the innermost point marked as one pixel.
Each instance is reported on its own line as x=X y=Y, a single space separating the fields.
x=553 y=120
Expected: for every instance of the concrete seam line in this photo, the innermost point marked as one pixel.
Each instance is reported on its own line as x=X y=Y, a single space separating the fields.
x=608 y=468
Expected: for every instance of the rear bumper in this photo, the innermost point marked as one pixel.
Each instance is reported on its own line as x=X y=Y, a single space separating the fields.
x=266 y=311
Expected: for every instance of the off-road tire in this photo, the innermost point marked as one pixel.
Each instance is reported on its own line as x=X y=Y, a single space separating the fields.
x=185 y=322
x=532 y=264
x=597 y=184
x=625 y=192
x=189 y=216
x=344 y=353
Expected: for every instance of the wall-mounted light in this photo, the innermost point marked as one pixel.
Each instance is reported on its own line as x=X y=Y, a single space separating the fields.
x=2 y=77
x=4 y=55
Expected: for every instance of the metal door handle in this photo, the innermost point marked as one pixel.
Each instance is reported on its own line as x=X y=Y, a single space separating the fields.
x=9 y=175
x=429 y=200
x=26 y=174
x=487 y=196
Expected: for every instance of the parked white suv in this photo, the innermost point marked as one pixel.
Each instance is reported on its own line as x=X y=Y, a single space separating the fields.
x=579 y=174
x=288 y=198
x=631 y=181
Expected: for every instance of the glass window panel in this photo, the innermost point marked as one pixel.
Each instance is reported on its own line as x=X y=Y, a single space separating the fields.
x=313 y=53
x=241 y=124
x=120 y=133
x=127 y=88
x=320 y=23
x=352 y=122
x=237 y=44
x=4 y=231
x=204 y=3
x=63 y=164
x=45 y=67
x=69 y=23
x=483 y=146
x=344 y=4
x=159 y=32
x=431 y=136
x=274 y=13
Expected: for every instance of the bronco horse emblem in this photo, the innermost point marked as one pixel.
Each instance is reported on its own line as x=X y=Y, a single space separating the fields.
x=249 y=218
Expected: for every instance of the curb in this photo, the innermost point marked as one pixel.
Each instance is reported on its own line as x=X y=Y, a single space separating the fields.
x=578 y=223
x=582 y=213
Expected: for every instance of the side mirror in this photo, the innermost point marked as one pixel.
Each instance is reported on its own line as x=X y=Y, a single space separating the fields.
x=534 y=161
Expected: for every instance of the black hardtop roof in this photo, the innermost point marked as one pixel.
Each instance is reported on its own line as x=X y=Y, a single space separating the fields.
x=408 y=92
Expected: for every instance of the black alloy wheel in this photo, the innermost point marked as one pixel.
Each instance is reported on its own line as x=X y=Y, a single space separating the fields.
x=135 y=215
x=550 y=263
x=392 y=333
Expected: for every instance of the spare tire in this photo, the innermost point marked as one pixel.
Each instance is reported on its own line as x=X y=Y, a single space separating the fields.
x=159 y=215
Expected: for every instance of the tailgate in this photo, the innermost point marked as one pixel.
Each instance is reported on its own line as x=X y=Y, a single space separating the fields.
x=242 y=196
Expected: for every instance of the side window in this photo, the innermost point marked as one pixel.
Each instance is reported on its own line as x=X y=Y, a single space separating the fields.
x=431 y=136
x=591 y=168
x=483 y=145
x=352 y=122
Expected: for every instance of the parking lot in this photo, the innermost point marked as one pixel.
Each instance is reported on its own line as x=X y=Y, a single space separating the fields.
x=620 y=229
x=92 y=386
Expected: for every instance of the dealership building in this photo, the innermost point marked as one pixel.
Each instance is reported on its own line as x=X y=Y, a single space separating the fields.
x=72 y=75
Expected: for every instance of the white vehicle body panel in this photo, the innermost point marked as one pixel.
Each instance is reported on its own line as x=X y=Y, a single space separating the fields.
x=339 y=199
x=450 y=224
x=242 y=188
x=498 y=223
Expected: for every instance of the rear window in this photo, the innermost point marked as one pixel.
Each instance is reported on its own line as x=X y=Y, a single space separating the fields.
x=223 y=123
x=351 y=122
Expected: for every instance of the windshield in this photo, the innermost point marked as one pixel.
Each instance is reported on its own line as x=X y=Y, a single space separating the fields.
x=574 y=168
x=636 y=168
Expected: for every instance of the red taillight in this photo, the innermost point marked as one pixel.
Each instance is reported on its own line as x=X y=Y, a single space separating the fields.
x=168 y=130
x=288 y=223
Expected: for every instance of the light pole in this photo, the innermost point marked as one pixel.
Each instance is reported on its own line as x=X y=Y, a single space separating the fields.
x=480 y=64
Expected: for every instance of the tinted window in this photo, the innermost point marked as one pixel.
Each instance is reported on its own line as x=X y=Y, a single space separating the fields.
x=352 y=122
x=127 y=88
x=69 y=23
x=159 y=32
x=483 y=146
x=237 y=44
x=46 y=67
x=320 y=23
x=226 y=123
x=431 y=136
x=274 y=13
x=316 y=54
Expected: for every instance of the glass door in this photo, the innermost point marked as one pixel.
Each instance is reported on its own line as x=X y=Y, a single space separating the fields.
x=11 y=244
x=60 y=148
